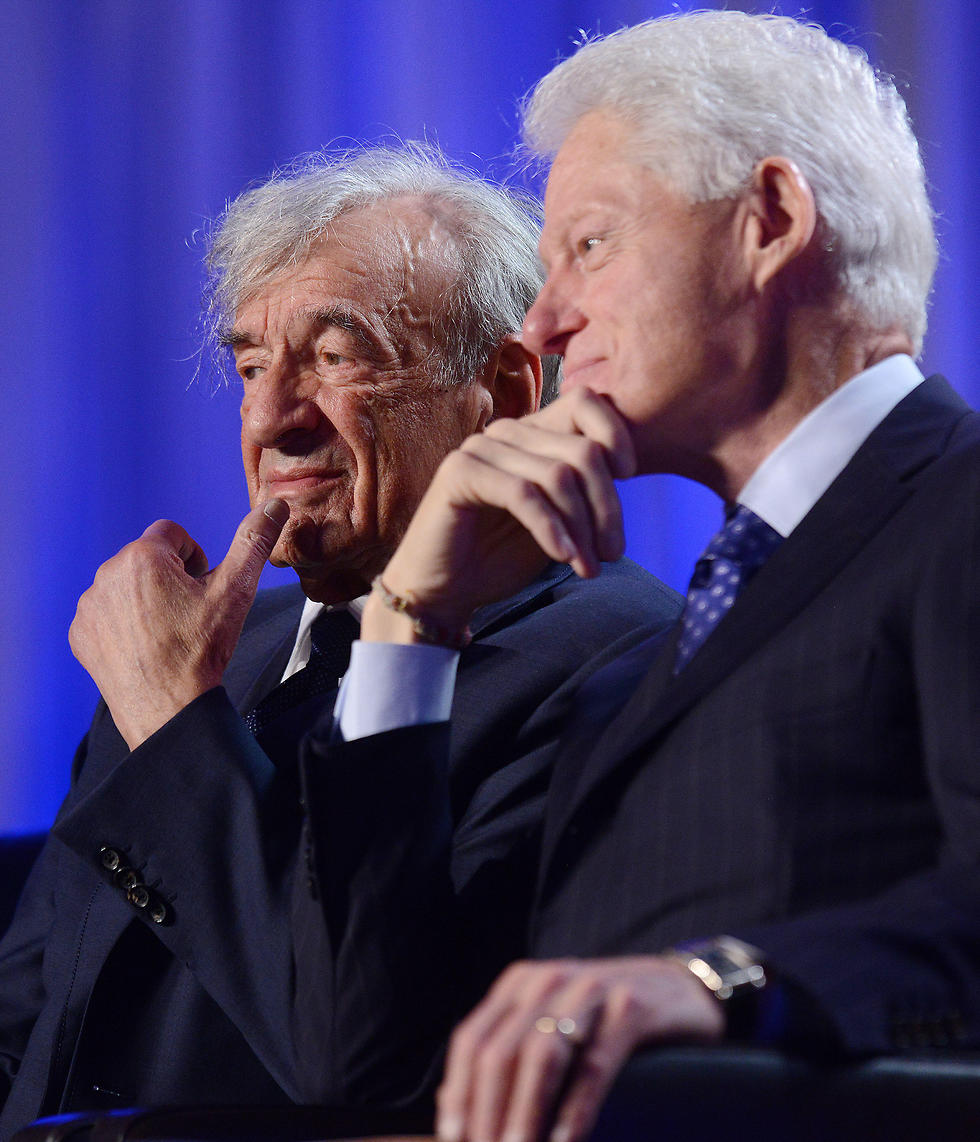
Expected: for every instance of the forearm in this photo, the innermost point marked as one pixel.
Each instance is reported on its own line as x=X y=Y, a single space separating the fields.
x=894 y=972
x=212 y=829
x=374 y=920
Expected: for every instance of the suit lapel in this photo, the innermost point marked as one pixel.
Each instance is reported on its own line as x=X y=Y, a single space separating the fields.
x=262 y=653
x=488 y=618
x=265 y=647
x=873 y=486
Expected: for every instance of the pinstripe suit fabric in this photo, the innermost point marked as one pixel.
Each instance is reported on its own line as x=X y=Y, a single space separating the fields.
x=811 y=781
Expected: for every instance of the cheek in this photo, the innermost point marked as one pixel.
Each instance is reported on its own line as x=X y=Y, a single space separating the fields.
x=251 y=457
x=411 y=442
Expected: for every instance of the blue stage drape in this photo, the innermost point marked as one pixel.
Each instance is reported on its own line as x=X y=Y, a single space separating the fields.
x=126 y=124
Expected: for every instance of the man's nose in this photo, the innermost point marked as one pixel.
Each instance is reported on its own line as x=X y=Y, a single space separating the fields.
x=551 y=320
x=278 y=405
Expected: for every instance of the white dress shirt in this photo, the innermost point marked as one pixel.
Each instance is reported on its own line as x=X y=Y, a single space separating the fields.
x=803 y=466
x=396 y=685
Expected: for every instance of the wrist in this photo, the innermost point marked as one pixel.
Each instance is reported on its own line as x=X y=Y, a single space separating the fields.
x=390 y=616
x=379 y=624
x=733 y=972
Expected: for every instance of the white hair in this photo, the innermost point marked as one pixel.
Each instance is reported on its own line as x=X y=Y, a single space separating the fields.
x=711 y=93
x=495 y=231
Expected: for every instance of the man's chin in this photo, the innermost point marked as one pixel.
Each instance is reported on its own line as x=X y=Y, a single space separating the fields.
x=326 y=578
x=337 y=586
x=302 y=547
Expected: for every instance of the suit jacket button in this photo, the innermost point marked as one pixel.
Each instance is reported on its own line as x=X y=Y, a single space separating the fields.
x=126 y=878
x=138 y=896
x=110 y=858
x=158 y=911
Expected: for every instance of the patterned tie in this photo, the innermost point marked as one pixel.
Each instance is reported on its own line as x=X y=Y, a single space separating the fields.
x=730 y=560
x=331 y=636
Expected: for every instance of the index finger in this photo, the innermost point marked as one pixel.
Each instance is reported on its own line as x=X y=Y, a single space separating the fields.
x=592 y=415
x=174 y=536
x=239 y=571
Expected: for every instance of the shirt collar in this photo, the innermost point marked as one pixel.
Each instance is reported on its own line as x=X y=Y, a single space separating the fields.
x=311 y=612
x=802 y=467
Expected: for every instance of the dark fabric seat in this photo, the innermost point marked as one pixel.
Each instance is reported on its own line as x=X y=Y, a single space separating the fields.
x=664 y=1095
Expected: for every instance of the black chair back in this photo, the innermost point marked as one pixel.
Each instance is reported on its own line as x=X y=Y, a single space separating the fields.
x=17 y=855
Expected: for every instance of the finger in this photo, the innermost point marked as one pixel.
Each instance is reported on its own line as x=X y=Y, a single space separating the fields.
x=175 y=537
x=237 y=576
x=492 y=1079
x=453 y=1096
x=540 y=1073
x=558 y=481
x=600 y=1061
x=594 y=416
x=471 y=1089
x=572 y=457
x=644 y=999
x=480 y=482
x=550 y=1055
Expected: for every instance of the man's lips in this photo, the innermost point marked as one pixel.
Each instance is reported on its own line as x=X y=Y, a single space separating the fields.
x=280 y=482
x=578 y=371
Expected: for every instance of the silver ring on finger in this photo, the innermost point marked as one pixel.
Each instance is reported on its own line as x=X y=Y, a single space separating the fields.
x=565 y=1026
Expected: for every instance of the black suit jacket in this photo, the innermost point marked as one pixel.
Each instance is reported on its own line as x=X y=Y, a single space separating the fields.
x=99 y=1005
x=811 y=780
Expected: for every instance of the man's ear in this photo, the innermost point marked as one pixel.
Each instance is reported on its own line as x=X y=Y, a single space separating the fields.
x=781 y=218
x=513 y=379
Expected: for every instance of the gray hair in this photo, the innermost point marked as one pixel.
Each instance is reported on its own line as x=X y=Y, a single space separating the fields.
x=495 y=231
x=711 y=93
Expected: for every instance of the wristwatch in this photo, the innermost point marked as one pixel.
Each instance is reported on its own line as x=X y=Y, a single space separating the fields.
x=728 y=968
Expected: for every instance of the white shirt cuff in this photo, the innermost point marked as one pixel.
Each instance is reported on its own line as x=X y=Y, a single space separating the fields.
x=389 y=686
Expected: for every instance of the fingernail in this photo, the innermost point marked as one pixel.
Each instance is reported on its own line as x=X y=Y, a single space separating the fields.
x=450 y=1128
x=566 y=548
x=276 y=510
x=561 y=1133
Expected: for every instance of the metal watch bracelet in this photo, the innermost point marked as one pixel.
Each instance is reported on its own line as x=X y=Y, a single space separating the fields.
x=727 y=967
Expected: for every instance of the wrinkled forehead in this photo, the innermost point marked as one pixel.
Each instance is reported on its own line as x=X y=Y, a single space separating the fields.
x=599 y=164
x=403 y=238
x=394 y=259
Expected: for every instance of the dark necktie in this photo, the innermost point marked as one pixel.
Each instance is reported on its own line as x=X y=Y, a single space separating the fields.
x=330 y=637
x=730 y=560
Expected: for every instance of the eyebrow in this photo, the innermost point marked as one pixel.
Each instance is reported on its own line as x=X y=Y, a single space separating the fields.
x=325 y=318
x=230 y=338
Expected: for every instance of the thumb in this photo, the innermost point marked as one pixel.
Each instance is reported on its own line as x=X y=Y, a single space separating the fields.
x=238 y=573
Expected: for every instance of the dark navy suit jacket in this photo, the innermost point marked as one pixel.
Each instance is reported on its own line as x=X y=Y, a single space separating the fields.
x=811 y=780
x=100 y=1006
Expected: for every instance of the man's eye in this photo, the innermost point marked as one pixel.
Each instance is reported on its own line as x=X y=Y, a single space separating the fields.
x=249 y=372
x=589 y=243
x=333 y=359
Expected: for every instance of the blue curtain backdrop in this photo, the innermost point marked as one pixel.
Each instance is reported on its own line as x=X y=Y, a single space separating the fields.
x=127 y=123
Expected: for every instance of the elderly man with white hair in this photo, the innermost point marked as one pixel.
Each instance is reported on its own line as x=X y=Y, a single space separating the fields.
x=768 y=828
x=205 y=874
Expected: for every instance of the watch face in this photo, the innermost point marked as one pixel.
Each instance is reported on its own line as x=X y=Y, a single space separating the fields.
x=726 y=966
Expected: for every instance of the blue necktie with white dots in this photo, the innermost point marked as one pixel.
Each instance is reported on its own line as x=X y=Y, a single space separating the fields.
x=730 y=560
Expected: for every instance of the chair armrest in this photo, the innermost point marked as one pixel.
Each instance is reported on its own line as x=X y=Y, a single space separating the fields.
x=698 y=1094
x=702 y=1093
